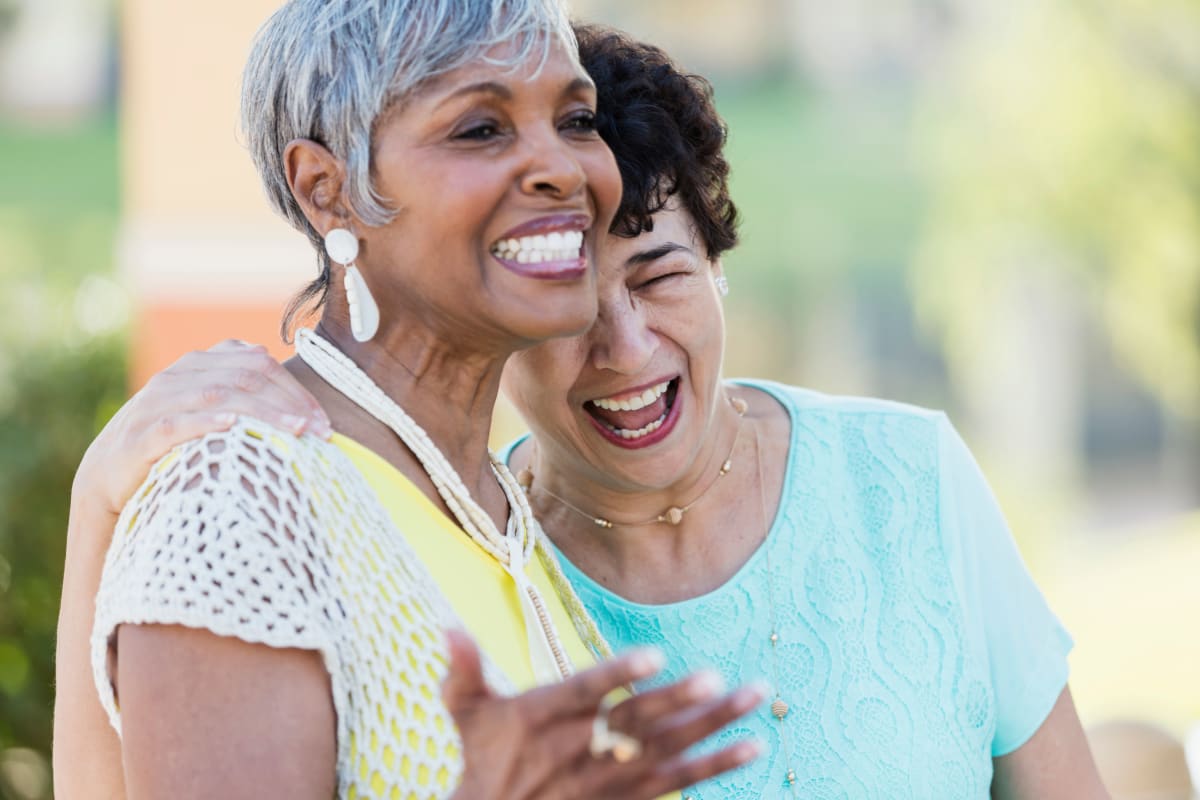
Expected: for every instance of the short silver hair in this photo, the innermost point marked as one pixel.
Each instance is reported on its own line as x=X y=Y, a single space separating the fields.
x=327 y=70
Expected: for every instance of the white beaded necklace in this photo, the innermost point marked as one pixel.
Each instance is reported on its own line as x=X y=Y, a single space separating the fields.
x=512 y=550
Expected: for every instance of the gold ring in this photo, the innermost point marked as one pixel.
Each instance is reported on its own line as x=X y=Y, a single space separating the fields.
x=605 y=741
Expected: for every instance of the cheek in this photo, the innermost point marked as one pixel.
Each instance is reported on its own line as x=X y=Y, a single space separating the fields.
x=543 y=377
x=604 y=180
x=528 y=384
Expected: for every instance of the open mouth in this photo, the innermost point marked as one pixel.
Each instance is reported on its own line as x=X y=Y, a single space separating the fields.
x=638 y=418
x=554 y=255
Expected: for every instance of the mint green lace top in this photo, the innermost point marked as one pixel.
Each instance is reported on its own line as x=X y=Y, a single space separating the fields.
x=914 y=646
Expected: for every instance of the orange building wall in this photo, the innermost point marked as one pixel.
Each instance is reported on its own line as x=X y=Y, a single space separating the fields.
x=162 y=332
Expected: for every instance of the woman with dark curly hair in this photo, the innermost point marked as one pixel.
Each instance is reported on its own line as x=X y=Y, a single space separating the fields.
x=847 y=552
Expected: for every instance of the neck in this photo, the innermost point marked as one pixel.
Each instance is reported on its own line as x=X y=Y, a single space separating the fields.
x=450 y=393
x=640 y=517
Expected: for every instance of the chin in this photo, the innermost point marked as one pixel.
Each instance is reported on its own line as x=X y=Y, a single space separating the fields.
x=556 y=315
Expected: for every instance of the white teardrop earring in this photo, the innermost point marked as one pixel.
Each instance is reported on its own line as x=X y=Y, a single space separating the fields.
x=722 y=285
x=342 y=247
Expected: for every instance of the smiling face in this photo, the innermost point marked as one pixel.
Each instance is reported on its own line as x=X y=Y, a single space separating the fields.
x=500 y=184
x=629 y=405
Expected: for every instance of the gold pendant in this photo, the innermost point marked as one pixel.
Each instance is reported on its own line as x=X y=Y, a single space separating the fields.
x=780 y=709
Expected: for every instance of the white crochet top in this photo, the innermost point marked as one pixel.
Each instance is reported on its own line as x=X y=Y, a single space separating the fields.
x=280 y=541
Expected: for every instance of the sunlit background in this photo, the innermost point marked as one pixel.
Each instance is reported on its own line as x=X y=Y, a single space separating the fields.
x=992 y=208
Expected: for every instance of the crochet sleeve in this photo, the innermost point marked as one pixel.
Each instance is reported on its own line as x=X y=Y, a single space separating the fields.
x=1025 y=643
x=222 y=536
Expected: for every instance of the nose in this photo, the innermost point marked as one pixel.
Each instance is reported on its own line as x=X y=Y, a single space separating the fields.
x=553 y=169
x=621 y=339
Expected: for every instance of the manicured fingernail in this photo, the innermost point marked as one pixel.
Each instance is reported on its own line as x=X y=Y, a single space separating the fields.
x=751 y=695
x=294 y=424
x=747 y=751
x=321 y=427
x=647 y=661
x=705 y=685
x=226 y=418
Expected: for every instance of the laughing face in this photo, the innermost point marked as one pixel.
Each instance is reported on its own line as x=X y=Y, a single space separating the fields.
x=501 y=183
x=629 y=405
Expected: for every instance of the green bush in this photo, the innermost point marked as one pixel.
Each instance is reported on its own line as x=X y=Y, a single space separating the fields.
x=62 y=398
x=62 y=375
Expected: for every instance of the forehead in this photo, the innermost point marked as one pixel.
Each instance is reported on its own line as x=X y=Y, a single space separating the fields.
x=554 y=66
x=672 y=225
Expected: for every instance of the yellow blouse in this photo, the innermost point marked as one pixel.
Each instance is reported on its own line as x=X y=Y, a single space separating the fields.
x=481 y=593
x=301 y=543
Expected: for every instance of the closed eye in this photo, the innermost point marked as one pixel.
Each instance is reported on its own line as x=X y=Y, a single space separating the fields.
x=660 y=280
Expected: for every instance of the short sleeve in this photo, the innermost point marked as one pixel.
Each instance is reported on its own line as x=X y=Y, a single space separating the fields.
x=1026 y=646
x=220 y=537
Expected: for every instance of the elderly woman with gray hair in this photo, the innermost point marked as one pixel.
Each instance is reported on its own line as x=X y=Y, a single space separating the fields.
x=271 y=611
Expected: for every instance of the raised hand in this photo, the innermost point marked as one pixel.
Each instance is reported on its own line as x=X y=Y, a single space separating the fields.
x=539 y=745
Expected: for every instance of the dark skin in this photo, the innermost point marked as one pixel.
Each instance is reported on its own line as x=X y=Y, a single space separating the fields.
x=504 y=150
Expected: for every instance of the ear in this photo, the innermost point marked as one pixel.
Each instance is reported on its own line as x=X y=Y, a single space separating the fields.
x=317 y=179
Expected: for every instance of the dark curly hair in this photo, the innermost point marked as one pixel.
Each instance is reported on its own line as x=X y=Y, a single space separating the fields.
x=664 y=130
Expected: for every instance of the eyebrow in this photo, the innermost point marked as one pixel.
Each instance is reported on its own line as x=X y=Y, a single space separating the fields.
x=655 y=253
x=504 y=93
x=483 y=87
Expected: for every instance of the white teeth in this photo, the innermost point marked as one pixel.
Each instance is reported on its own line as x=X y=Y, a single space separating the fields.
x=556 y=246
x=640 y=432
x=633 y=403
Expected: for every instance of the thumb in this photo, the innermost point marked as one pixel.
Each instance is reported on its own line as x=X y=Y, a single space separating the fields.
x=464 y=684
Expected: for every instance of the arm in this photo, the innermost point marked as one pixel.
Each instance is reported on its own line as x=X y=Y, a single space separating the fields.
x=1054 y=763
x=87 y=752
x=1038 y=746
x=201 y=393
x=190 y=730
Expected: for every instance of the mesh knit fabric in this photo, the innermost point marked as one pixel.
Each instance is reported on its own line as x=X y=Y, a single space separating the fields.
x=255 y=534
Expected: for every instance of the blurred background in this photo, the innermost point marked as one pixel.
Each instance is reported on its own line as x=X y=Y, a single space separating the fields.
x=992 y=208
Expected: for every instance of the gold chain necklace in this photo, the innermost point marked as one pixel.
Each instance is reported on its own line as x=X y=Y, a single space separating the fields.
x=672 y=515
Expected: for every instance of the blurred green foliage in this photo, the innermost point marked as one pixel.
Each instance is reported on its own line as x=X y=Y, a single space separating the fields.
x=8 y=15
x=62 y=374
x=1063 y=136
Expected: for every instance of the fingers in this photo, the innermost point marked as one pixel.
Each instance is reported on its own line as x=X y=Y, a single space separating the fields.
x=238 y=378
x=256 y=371
x=682 y=772
x=668 y=721
x=173 y=429
x=583 y=693
x=633 y=716
x=691 y=725
x=464 y=685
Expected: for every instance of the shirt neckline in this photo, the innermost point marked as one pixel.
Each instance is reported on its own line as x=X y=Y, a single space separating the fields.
x=582 y=581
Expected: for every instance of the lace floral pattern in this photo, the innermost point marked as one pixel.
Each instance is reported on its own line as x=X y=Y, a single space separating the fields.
x=889 y=690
